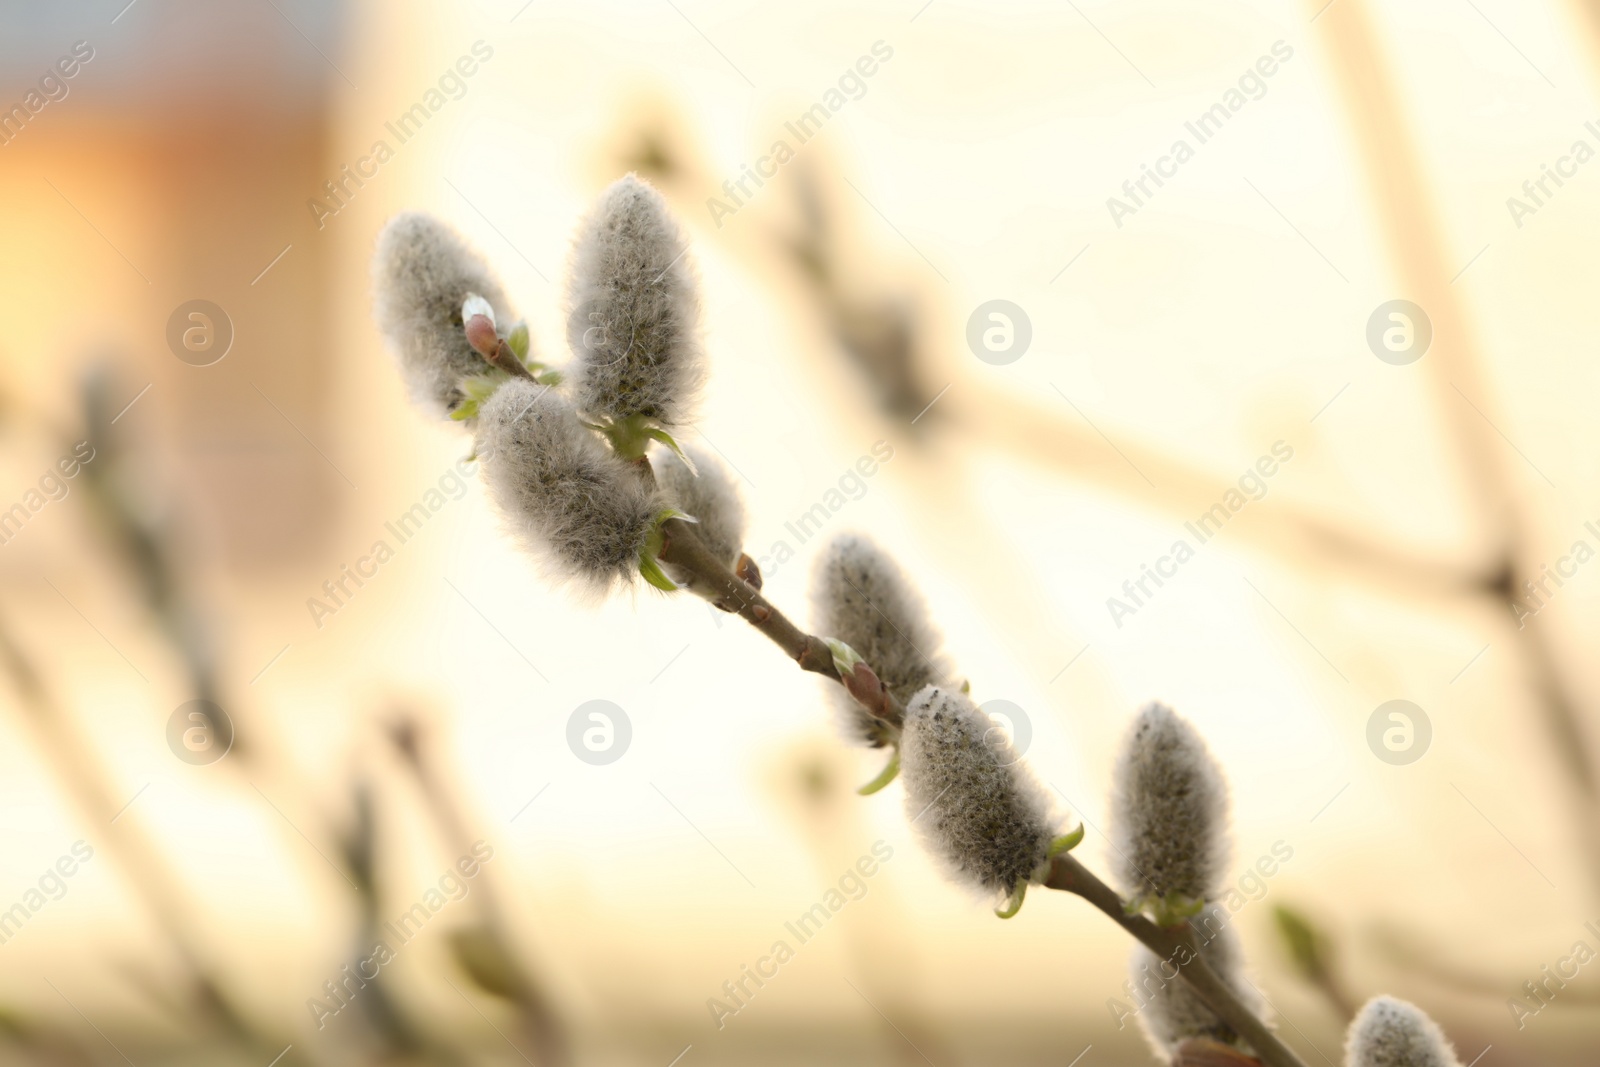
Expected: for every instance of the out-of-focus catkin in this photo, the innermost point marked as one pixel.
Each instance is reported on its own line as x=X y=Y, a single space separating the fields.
x=710 y=497
x=1388 y=1032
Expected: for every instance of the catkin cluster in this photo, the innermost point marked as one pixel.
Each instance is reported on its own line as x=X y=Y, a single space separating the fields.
x=566 y=484
x=568 y=471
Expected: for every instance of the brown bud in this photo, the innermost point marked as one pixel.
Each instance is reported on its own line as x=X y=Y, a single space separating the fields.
x=747 y=570
x=863 y=684
x=481 y=335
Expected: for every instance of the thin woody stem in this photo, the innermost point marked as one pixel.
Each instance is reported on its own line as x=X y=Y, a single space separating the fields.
x=712 y=579
x=1175 y=944
x=682 y=548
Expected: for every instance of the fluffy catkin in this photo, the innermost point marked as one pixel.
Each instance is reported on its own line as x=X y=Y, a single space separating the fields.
x=422 y=272
x=711 y=498
x=633 y=312
x=1169 y=810
x=1392 y=1033
x=859 y=596
x=563 y=491
x=973 y=802
x=1171 y=1011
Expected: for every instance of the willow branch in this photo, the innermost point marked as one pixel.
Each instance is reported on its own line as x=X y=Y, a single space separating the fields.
x=683 y=549
x=1175 y=944
x=711 y=578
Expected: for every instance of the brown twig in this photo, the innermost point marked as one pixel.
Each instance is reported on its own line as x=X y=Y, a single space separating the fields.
x=518 y=982
x=683 y=549
x=1177 y=945
x=712 y=579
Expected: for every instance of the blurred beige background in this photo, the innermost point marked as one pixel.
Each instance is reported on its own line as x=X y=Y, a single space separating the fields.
x=1228 y=313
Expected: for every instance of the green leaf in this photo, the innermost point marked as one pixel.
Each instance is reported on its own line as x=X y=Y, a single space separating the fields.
x=519 y=341
x=628 y=436
x=649 y=565
x=1066 y=842
x=845 y=658
x=477 y=389
x=651 y=571
x=656 y=433
x=486 y=962
x=890 y=771
x=1014 y=904
x=1165 y=911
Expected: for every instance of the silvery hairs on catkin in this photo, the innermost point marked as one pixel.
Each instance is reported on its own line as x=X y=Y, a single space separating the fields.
x=1388 y=1032
x=1169 y=810
x=861 y=597
x=422 y=272
x=711 y=498
x=633 y=315
x=566 y=495
x=1171 y=1011
x=974 y=803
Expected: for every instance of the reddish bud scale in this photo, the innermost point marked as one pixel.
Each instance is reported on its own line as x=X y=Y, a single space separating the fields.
x=868 y=691
x=481 y=335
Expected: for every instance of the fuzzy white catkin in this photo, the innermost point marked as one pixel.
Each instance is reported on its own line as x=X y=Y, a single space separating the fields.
x=974 y=803
x=861 y=597
x=1388 y=1032
x=1169 y=810
x=711 y=497
x=1170 y=1011
x=633 y=312
x=422 y=273
x=568 y=497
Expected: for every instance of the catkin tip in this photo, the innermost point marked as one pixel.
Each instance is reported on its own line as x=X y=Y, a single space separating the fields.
x=1388 y=1032
x=633 y=316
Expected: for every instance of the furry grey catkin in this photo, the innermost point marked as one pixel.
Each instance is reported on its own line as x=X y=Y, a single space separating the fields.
x=861 y=597
x=1169 y=810
x=1388 y=1032
x=633 y=310
x=563 y=491
x=972 y=800
x=711 y=498
x=1169 y=1010
x=422 y=272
